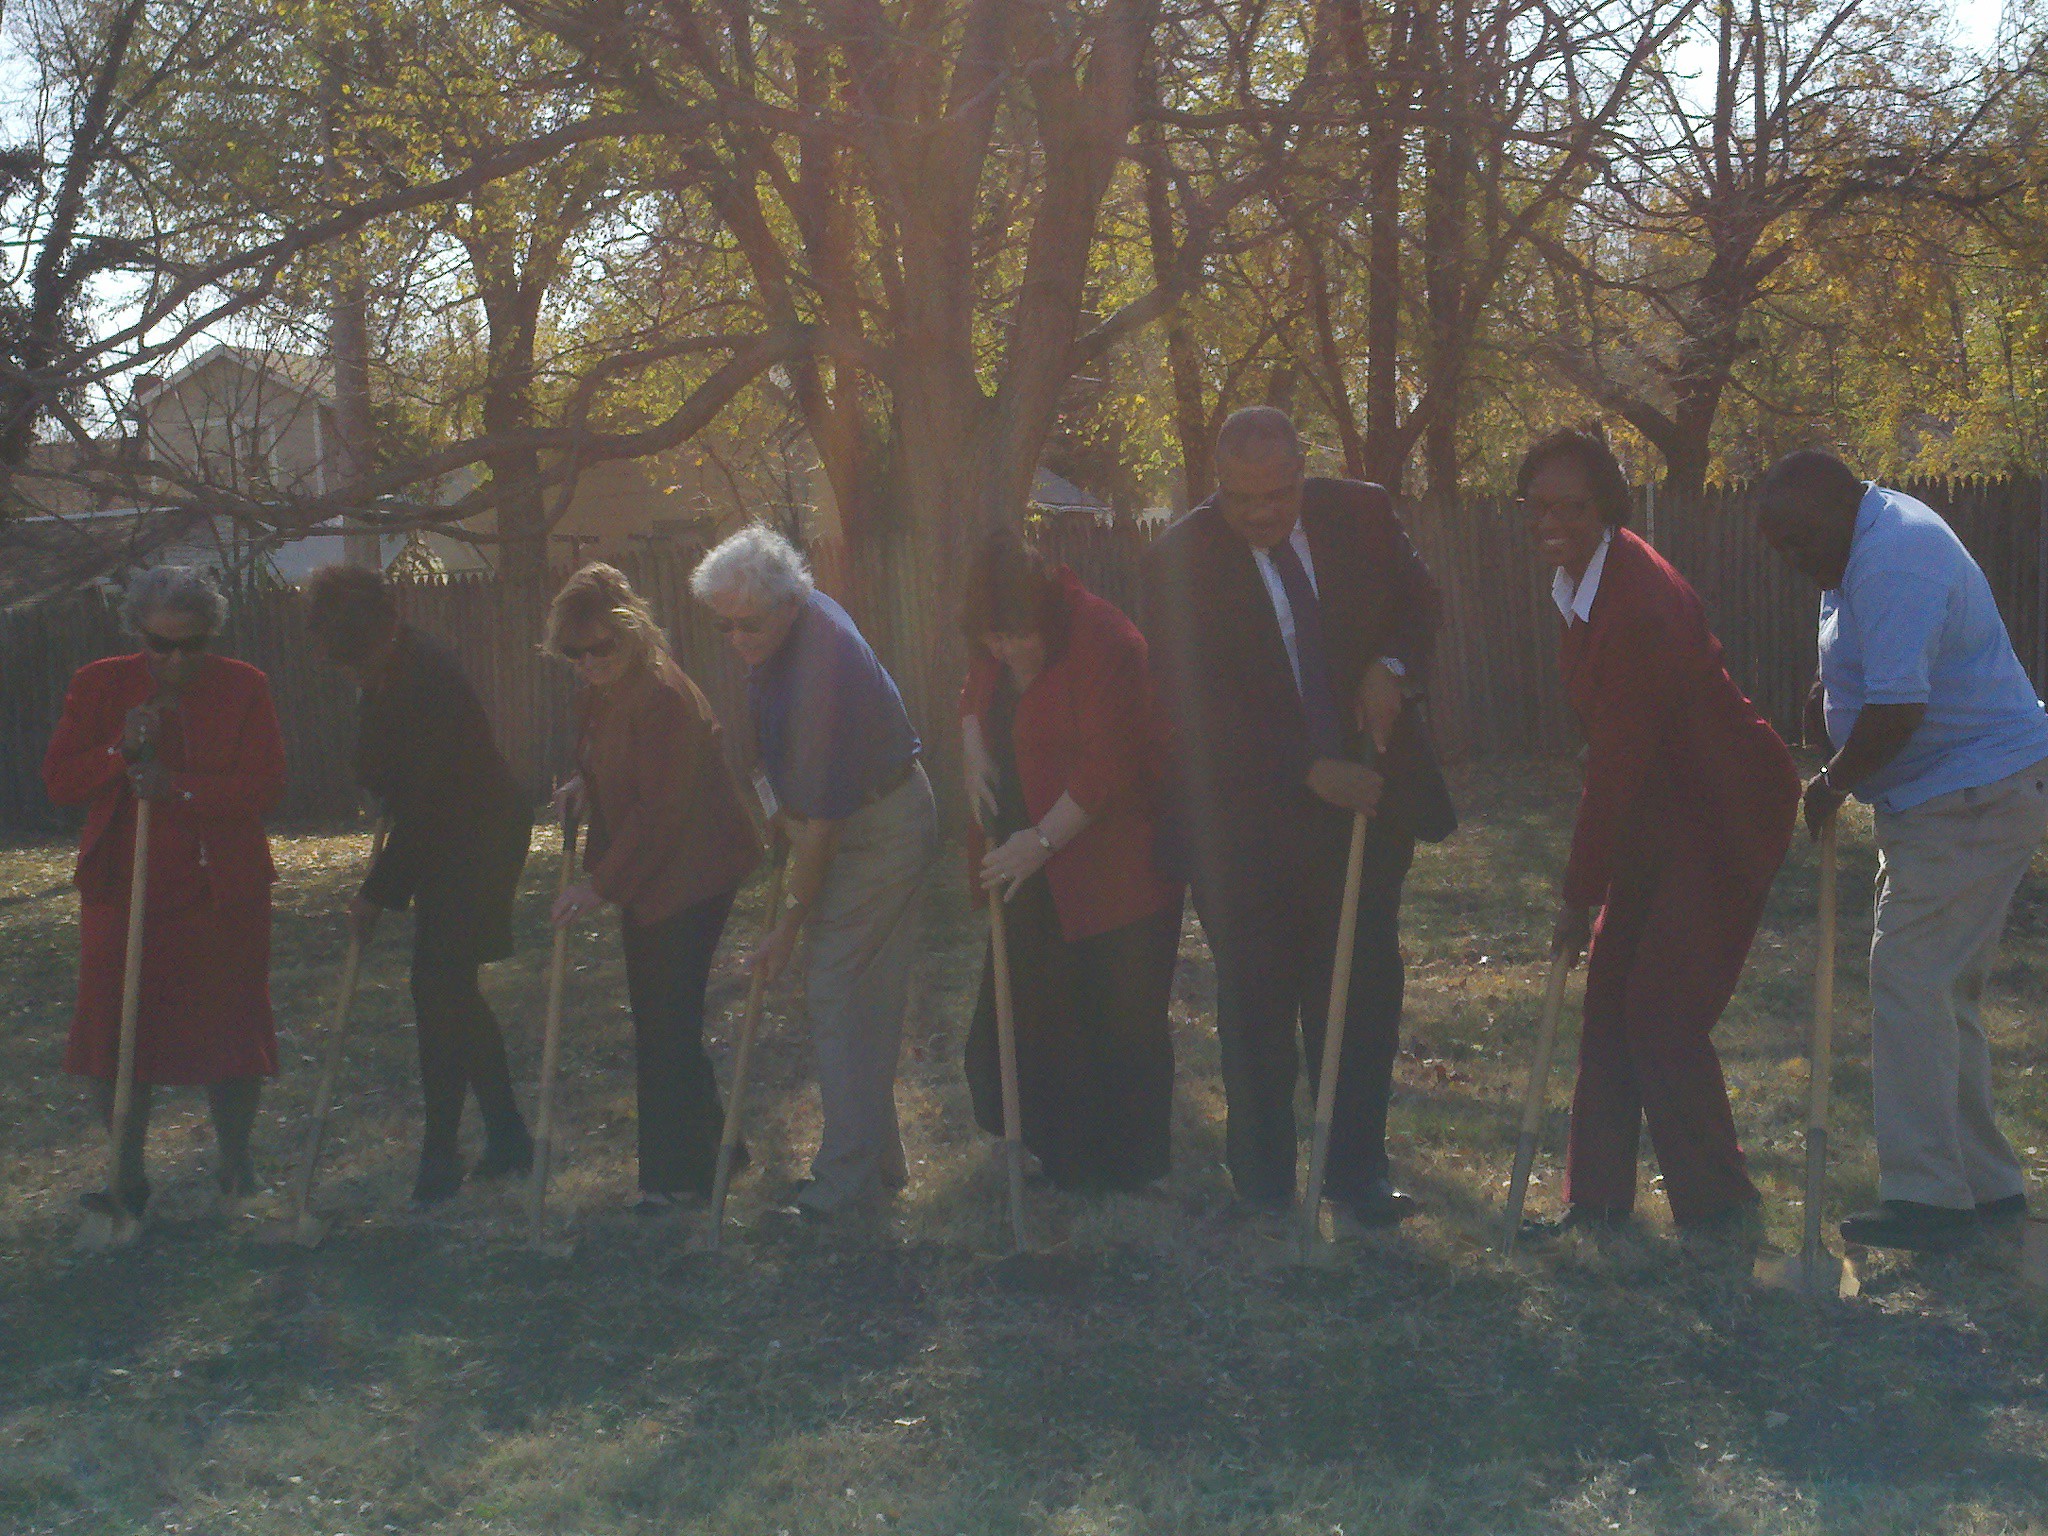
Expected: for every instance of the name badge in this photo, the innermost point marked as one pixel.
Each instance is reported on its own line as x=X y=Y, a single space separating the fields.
x=765 y=793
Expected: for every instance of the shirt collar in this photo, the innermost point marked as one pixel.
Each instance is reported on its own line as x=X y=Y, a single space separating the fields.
x=1576 y=602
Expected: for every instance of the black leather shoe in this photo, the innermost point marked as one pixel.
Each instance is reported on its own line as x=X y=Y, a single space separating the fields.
x=440 y=1176
x=2003 y=1213
x=1911 y=1225
x=101 y=1202
x=237 y=1179
x=1378 y=1204
x=503 y=1156
x=1578 y=1218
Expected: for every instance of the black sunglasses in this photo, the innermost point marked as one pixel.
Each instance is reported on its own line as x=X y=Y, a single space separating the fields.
x=595 y=648
x=163 y=645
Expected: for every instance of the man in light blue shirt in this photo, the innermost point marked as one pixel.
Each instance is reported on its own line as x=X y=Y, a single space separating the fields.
x=1935 y=724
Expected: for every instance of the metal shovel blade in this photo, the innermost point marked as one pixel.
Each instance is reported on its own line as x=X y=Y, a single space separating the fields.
x=1823 y=1276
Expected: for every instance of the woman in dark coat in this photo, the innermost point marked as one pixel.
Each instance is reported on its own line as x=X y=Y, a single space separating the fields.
x=1685 y=818
x=195 y=735
x=668 y=842
x=459 y=825
x=1063 y=736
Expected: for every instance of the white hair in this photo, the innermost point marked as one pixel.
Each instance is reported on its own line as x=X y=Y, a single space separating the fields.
x=756 y=563
x=184 y=589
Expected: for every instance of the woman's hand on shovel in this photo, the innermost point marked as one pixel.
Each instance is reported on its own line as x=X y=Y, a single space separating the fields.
x=575 y=902
x=1572 y=932
x=1014 y=862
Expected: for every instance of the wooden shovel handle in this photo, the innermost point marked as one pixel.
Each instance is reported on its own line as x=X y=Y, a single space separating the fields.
x=551 y=1047
x=1006 y=1052
x=131 y=1004
x=1821 y=1055
x=330 y=1065
x=1533 y=1098
x=743 y=1053
x=1333 y=1032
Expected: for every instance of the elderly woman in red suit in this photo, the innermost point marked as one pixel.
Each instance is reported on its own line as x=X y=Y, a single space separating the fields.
x=1685 y=818
x=1062 y=735
x=195 y=734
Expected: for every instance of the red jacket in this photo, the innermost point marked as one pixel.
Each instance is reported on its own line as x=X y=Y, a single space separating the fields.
x=1675 y=752
x=1090 y=726
x=226 y=758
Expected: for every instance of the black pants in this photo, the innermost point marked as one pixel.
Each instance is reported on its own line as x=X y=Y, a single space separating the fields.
x=230 y=1104
x=1274 y=947
x=679 y=1115
x=1094 y=1050
x=461 y=1050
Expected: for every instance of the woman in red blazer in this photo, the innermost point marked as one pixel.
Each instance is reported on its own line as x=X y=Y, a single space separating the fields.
x=194 y=734
x=1685 y=818
x=1062 y=736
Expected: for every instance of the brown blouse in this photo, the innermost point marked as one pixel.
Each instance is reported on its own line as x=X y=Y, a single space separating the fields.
x=668 y=827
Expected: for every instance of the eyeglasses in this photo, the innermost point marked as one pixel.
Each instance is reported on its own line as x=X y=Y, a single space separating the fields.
x=164 y=645
x=1568 y=507
x=598 y=648
x=745 y=626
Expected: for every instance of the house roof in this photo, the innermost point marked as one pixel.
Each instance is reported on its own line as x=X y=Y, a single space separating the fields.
x=299 y=371
x=1057 y=494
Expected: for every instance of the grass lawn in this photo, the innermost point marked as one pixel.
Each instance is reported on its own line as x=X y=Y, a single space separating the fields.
x=432 y=1375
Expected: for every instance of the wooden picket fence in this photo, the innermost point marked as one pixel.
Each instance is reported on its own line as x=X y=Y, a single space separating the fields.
x=1496 y=690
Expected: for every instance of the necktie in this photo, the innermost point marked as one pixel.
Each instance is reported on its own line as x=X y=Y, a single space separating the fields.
x=1312 y=658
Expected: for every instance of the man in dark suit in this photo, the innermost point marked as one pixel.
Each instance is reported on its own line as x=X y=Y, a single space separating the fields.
x=1291 y=623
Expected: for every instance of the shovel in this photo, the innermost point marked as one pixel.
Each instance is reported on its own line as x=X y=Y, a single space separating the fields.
x=1333 y=1042
x=1006 y=1056
x=306 y=1229
x=117 y=1226
x=1532 y=1101
x=550 y=1053
x=1814 y=1271
x=743 y=1053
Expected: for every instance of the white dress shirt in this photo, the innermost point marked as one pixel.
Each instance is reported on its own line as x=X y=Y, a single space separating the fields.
x=1277 y=591
x=1576 y=602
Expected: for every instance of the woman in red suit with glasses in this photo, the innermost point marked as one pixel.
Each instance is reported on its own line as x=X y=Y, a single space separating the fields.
x=194 y=734
x=1685 y=818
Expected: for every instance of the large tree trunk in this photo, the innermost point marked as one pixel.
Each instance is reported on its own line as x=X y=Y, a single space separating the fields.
x=508 y=407
x=348 y=341
x=1183 y=360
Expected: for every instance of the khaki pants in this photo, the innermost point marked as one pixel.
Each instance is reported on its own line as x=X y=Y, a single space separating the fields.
x=1945 y=880
x=863 y=937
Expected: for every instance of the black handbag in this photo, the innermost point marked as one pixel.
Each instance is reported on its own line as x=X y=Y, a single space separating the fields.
x=1415 y=799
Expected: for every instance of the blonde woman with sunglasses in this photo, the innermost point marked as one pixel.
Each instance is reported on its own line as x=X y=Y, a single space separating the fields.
x=668 y=841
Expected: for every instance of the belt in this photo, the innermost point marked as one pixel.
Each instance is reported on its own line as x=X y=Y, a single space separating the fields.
x=894 y=783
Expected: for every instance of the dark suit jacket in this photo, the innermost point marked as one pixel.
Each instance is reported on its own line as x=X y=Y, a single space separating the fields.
x=1242 y=815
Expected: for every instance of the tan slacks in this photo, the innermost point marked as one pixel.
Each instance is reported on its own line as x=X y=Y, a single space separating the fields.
x=1946 y=876
x=863 y=939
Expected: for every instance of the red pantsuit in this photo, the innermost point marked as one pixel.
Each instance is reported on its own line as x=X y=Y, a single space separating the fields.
x=1687 y=813
x=204 y=1014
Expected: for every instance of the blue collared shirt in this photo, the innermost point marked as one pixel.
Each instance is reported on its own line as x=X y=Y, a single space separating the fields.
x=1914 y=622
x=828 y=720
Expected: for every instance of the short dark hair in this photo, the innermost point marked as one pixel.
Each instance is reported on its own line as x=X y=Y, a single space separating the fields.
x=1812 y=475
x=1011 y=590
x=1604 y=477
x=351 y=608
